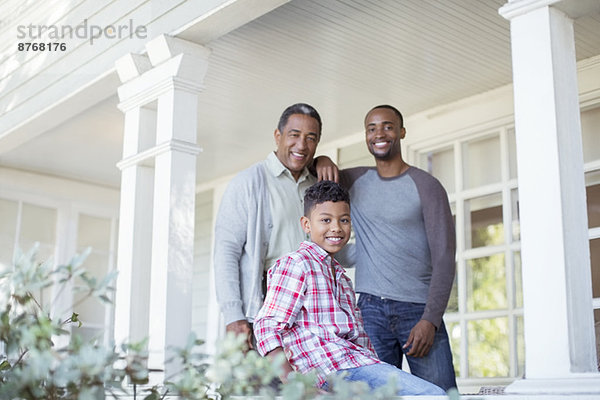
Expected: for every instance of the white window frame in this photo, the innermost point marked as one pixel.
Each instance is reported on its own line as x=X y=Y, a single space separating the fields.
x=67 y=215
x=509 y=247
x=112 y=215
x=593 y=233
x=592 y=101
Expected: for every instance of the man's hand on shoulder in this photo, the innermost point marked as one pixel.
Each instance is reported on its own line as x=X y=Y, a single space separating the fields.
x=326 y=169
x=420 y=339
x=241 y=327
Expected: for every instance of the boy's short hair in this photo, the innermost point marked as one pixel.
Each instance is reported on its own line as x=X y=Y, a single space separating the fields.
x=324 y=191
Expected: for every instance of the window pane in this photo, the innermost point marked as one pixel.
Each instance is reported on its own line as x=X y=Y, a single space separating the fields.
x=597 y=325
x=516 y=225
x=592 y=183
x=512 y=153
x=520 y=347
x=94 y=232
x=595 y=261
x=488 y=347
x=481 y=162
x=88 y=334
x=355 y=155
x=440 y=163
x=590 y=129
x=38 y=224
x=91 y=310
x=453 y=329
x=45 y=251
x=453 y=300
x=518 y=279
x=8 y=229
x=486 y=283
x=485 y=216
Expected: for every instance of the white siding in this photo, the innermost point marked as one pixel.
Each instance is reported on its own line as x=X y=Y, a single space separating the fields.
x=202 y=259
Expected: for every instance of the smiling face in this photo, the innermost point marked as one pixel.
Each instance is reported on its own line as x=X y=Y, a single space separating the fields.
x=384 y=131
x=297 y=144
x=329 y=225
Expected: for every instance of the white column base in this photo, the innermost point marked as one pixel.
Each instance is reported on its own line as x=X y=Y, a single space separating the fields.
x=572 y=385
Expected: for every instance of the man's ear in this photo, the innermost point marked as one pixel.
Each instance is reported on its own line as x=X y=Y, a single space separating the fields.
x=402 y=132
x=277 y=136
x=305 y=223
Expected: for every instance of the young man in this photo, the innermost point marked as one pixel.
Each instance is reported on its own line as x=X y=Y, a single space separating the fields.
x=258 y=217
x=404 y=253
x=310 y=311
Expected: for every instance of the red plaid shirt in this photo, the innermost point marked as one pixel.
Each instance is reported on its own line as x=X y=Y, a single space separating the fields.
x=312 y=317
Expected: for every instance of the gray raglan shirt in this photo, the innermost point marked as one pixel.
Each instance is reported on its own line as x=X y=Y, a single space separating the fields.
x=405 y=237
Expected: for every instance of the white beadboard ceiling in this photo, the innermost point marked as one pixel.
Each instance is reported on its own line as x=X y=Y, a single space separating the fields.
x=342 y=56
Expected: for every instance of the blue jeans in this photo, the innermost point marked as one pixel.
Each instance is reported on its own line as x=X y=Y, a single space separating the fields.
x=376 y=375
x=388 y=324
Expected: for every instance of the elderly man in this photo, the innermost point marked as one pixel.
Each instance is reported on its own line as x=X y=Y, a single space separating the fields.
x=258 y=217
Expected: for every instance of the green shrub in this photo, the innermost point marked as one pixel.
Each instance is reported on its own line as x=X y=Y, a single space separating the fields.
x=33 y=366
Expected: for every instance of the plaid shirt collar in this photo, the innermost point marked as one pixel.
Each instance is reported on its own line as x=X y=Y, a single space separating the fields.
x=324 y=257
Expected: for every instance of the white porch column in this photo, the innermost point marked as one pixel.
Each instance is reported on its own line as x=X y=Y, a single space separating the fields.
x=135 y=226
x=560 y=354
x=156 y=236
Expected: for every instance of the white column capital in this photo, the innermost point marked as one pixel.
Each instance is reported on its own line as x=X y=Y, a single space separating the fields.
x=168 y=76
x=573 y=8
x=131 y=66
x=165 y=47
x=171 y=63
x=137 y=93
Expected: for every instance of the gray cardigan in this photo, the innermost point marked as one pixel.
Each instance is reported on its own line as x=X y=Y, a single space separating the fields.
x=242 y=231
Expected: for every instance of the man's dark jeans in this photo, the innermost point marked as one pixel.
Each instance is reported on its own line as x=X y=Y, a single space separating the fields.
x=388 y=324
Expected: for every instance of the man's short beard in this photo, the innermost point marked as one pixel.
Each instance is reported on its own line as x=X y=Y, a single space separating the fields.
x=379 y=156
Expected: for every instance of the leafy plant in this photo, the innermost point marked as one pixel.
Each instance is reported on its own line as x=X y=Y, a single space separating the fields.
x=41 y=359
x=240 y=372
x=32 y=366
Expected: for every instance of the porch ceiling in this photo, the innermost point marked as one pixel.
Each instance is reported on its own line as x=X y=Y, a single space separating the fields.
x=342 y=56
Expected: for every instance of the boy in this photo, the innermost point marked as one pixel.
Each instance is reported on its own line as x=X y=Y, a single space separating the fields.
x=310 y=310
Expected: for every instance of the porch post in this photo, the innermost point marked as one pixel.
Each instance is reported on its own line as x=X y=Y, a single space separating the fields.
x=135 y=228
x=154 y=287
x=560 y=353
x=174 y=198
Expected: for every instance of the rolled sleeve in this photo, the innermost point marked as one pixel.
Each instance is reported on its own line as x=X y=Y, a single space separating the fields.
x=267 y=335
